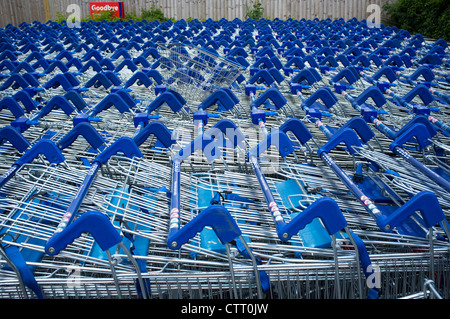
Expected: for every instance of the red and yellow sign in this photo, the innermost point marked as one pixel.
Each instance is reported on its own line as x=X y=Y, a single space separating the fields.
x=99 y=7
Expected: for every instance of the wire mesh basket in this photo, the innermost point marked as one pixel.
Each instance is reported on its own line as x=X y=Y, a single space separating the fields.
x=193 y=72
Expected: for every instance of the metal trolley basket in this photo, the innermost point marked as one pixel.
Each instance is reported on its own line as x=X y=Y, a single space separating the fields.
x=193 y=72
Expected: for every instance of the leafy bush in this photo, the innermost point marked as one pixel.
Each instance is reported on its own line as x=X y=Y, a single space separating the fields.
x=132 y=16
x=431 y=18
x=149 y=15
x=61 y=18
x=107 y=15
x=257 y=12
x=154 y=14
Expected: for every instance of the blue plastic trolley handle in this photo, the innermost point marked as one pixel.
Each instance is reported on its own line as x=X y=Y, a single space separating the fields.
x=206 y=143
x=93 y=222
x=43 y=147
x=12 y=135
x=431 y=213
x=124 y=145
x=419 y=128
x=324 y=208
x=215 y=216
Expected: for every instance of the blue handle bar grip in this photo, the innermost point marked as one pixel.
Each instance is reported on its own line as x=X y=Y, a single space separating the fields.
x=8 y=175
x=438 y=179
x=419 y=131
x=215 y=216
x=72 y=210
x=86 y=130
x=168 y=97
x=124 y=145
x=126 y=97
x=63 y=80
x=24 y=97
x=154 y=74
x=359 y=195
x=112 y=99
x=372 y=92
x=274 y=95
x=16 y=79
x=384 y=71
x=159 y=130
x=270 y=200
x=420 y=90
x=18 y=260
x=441 y=125
x=12 y=105
x=262 y=60
x=44 y=147
x=424 y=71
x=346 y=135
x=359 y=125
x=56 y=102
x=142 y=79
x=443 y=96
x=277 y=138
x=425 y=202
x=296 y=62
x=76 y=99
x=325 y=94
x=93 y=222
x=236 y=51
x=299 y=129
x=309 y=75
x=231 y=94
x=324 y=208
x=204 y=142
x=276 y=75
x=366 y=263
x=110 y=79
x=229 y=128
x=218 y=96
x=12 y=135
x=394 y=60
x=175 y=195
x=415 y=120
x=383 y=128
x=348 y=73
x=262 y=76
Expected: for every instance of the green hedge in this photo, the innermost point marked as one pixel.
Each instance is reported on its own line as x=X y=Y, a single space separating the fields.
x=431 y=18
x=153 y=14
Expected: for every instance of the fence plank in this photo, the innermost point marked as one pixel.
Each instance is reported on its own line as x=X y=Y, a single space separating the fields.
x=18 y=11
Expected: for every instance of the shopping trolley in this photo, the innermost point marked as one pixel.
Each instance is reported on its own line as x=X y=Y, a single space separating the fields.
x=128 y=82
x=193 y=72
x=414 y=204
x=66 y=201
x=11 y=253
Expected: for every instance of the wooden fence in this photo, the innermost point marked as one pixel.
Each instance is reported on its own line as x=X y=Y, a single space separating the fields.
x=17 y=11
